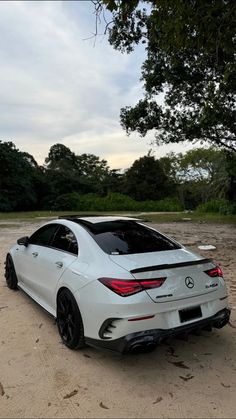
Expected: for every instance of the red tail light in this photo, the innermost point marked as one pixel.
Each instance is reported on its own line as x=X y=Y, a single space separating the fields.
x=214 y=272
x=126 y=288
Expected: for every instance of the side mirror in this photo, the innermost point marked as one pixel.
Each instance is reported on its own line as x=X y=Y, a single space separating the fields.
x=24 y=241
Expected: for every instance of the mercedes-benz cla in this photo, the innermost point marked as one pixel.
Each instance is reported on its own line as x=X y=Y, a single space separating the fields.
x=115 y=283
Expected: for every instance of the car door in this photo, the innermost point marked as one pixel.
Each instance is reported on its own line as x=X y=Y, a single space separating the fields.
x=40 y=265
x=28 y=258
x=55 y=259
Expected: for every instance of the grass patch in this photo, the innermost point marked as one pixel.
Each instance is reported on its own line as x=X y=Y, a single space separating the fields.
x=193 y=216
x=24 y=215
x=9 y=225
x=162 y=217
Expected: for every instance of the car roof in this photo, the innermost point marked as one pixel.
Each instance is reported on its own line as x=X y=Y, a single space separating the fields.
x=97 y=218
x=100 y=224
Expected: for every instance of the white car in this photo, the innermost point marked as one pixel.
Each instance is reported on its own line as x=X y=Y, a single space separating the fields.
x=115 y=283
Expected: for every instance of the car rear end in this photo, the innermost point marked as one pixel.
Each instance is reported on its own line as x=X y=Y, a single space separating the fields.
x=165 y=290
x=158 y=304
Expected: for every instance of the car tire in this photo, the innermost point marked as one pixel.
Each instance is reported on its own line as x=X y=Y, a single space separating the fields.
x=10 y=273
x=69 y=320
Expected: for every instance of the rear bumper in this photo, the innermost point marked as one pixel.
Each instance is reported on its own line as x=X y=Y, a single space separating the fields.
x=149 y=339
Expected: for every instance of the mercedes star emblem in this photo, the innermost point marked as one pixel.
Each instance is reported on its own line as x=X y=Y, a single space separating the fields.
x=189 y=282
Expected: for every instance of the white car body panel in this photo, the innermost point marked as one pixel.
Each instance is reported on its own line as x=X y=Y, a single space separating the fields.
x=40 y=276
x=134 y=261
x=103 y=305
x=174 y=288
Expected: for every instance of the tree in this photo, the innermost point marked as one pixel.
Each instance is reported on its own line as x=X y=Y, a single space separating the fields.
x=170 y=165
x=231 y=171
x=60 y=158
x=113 y=182
x=203 y=175
x=67 y=172
x=145 y=179
x=17 y=179
x=190 y=47
x=61 y=172
x=93 y=172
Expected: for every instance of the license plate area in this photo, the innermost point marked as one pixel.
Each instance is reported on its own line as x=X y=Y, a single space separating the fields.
x=188 y=314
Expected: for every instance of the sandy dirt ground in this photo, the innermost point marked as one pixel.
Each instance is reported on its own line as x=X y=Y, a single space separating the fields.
x=41 y=378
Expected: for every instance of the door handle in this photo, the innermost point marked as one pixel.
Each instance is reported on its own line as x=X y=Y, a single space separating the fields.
x=35 y=254
x=59 y=264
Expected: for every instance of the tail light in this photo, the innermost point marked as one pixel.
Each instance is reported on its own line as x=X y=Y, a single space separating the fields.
x=126 y=288
x=214 y=272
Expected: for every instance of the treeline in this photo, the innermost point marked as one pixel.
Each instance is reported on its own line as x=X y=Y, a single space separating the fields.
x=201 y=178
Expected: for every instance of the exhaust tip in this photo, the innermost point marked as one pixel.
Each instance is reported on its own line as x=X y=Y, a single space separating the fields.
x=139 y=347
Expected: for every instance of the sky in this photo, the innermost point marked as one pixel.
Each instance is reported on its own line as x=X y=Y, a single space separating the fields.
x=59 y=84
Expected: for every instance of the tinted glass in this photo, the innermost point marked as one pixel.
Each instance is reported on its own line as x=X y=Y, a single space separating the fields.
x=43 y=236
x=126 y=237
x=65 y=240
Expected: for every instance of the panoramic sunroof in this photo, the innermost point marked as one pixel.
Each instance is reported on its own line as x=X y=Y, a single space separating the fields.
x=104 y=226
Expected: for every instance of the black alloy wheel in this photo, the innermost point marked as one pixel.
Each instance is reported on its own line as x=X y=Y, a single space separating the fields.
x=10 y=273
x=69 y=320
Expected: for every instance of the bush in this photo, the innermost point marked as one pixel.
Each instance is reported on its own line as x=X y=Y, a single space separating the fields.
x=220 y=206
x=66 y=202
x=112 y=202
x=6 y=204
x=119 y=202
x=167 y=204
x=228 y=209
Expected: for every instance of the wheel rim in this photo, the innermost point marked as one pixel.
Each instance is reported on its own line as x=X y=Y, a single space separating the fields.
x=65 y=318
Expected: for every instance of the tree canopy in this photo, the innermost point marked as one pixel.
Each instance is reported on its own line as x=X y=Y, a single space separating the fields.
x=85 y=182
x=68 y=172
x=18 y=173
x=190 y=59
x=203 y=174
x=146 y=179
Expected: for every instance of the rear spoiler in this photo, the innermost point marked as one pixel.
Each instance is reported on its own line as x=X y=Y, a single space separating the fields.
x=170 y=265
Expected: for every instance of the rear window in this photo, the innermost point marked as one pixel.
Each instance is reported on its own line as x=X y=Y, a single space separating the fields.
x=126 y=237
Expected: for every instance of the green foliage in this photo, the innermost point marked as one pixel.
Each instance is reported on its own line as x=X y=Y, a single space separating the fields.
x=230 y=168
x=67 y=172
x=92 y=202
x=190 y=47
x=220 y=206
x=60 y=158
x=146 y=179
x=86 y=173
x=112 y=202
x=166 y=204
x=17 y=178
x=203 y=175
x=85 y=183
x=160 y=217
x=66 y=202
x=211 y=206
x=93 y=173
x=229 y=208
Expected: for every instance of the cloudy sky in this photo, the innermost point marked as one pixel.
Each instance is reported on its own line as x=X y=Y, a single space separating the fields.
x=57 y=84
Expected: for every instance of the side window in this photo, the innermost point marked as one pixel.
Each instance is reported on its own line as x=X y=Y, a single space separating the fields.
x=43 y=236
x=65 y=240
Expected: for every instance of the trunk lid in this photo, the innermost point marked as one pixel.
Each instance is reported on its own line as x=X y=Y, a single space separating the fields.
x=184 y=272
